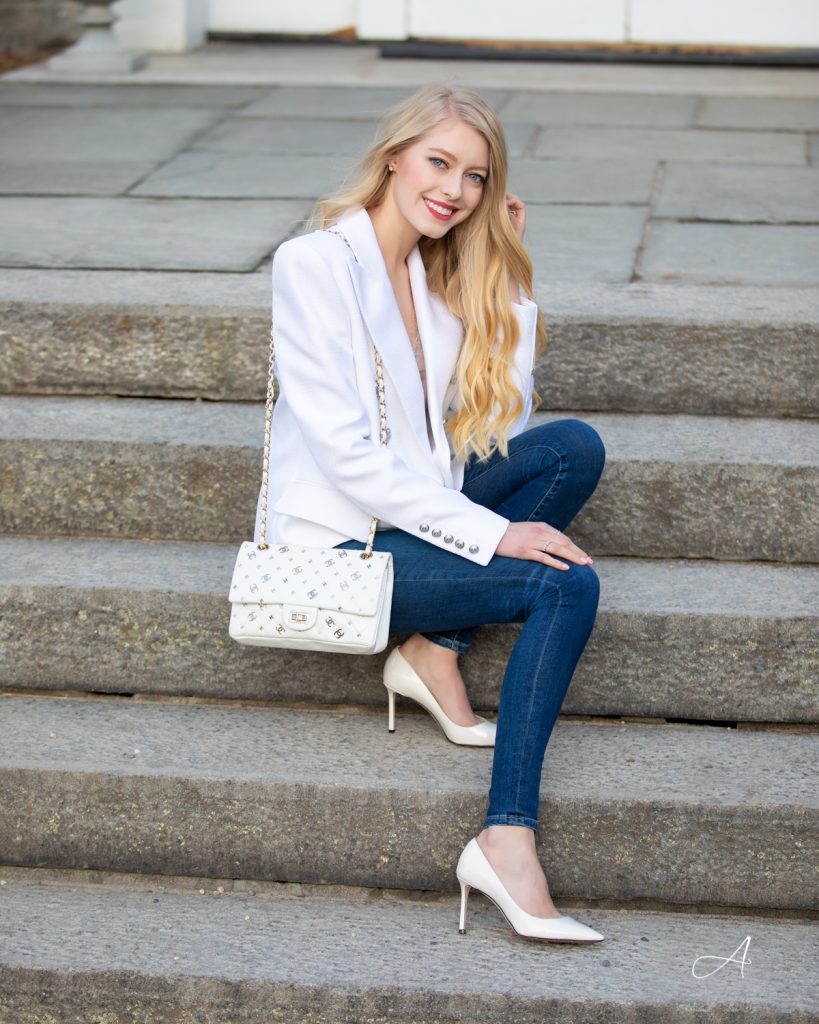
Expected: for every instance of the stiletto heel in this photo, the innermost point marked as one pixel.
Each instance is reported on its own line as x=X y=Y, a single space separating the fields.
x=401 y=677
x=465 y=887
x=474 y=865
x=390 y=709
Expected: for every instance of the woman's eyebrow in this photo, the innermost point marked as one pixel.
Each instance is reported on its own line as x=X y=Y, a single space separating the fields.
x=477 y=167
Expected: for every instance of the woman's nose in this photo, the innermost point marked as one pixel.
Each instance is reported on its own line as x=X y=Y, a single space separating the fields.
x=452 y=185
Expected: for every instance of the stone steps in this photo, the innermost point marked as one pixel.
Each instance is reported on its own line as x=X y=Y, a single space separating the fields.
x=259 y=954
x=674 y=486
x=631 y=348
x=696 y=640
x=330 y=796
x=145 y=756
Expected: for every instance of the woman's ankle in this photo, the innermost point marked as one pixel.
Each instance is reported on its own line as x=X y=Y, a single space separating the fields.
x=420 y=647
x=508 y=838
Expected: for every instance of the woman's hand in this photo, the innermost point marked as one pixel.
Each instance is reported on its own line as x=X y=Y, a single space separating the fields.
x=528 y=541
x=517 y=214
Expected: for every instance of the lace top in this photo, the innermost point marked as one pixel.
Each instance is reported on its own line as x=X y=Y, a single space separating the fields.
x=419 y=359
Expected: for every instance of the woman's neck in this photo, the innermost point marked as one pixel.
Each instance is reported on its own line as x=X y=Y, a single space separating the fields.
x=396 y=236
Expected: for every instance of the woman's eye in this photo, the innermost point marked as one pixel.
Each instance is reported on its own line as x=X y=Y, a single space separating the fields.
x=478 y=179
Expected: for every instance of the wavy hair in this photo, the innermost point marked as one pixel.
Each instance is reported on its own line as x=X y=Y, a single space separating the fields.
x=469 y=267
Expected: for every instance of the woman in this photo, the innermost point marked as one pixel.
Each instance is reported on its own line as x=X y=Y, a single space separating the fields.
x=422 y=255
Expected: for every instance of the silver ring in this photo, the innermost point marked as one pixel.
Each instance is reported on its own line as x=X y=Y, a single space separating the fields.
x=546 y=545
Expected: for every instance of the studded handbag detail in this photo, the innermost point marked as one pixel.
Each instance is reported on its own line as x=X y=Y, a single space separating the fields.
x=309 y=598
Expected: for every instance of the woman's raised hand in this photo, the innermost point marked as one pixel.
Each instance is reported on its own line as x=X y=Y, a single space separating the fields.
x=540 y=542
x=517 y=213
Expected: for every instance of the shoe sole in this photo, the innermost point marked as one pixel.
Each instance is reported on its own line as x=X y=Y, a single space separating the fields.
x=406 y=696
x=534 y=938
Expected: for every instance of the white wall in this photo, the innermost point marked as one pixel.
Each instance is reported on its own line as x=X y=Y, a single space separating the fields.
x=738 y=22
x=156 y=25
x=600 y=20
x=282 y=16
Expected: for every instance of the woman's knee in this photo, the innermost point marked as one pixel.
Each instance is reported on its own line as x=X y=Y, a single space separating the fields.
x=575 y=440
x=583 y=580
x=588 y=449
x=578 y=585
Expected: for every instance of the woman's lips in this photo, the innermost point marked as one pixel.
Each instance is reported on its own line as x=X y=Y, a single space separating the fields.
x=437 y=212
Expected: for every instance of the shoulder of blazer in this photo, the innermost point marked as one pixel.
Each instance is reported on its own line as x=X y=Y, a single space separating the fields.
x=332 y=249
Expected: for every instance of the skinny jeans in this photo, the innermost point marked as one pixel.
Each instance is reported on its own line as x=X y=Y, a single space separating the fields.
x=549 y=474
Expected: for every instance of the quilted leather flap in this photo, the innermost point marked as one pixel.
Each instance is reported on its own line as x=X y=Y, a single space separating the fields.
x=323 y=578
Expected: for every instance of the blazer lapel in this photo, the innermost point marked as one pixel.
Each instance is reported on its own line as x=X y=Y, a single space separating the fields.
x=382 y=315
x=440 y=330
x=441 y=337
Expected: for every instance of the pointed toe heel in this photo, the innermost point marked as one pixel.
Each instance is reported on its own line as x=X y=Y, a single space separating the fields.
x=401 y=677
x=475 y=872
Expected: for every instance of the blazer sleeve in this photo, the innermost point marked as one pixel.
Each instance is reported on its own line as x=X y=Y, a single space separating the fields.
x=315 y=367
x=526 y=313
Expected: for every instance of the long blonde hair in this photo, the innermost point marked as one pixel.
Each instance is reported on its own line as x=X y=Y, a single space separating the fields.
x=469 y=267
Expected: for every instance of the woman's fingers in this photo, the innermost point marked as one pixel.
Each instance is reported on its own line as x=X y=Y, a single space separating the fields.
x=577 y=552
x=560 y=546
x=548 y=560
x=517 y=211
x=542 y=543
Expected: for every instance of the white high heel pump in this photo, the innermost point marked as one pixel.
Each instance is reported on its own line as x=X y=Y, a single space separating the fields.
x=475 y=872
x=401 y=677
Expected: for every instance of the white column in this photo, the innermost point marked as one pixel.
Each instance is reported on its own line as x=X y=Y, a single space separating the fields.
x=162 y=26
x=98 y=50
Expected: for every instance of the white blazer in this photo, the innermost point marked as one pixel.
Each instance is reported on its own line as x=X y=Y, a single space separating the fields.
x=329 y=474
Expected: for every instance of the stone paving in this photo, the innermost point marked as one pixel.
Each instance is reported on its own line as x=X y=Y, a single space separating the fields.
x=629 y=174
x=672 y=220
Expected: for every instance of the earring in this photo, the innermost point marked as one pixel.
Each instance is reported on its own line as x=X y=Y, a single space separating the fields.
x=390 y=168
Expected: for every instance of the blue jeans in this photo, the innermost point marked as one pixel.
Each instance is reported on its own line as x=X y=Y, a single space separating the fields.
x=550 y=472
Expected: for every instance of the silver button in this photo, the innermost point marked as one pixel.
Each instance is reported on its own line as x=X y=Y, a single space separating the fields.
x=436 y=532
x=459 y=543
x=424 y=527
x=473 y=549
x=448 y=539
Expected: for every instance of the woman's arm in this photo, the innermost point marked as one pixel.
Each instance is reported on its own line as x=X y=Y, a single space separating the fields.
x=315 y=368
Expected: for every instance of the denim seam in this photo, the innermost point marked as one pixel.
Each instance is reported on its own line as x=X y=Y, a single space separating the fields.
x=504 y=819
x=512 y=455
x=452 y=644
x=511 y=579
x=561 y=473
x=536 y=673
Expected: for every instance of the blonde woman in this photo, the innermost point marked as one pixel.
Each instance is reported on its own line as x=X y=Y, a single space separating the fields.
x=422 y=255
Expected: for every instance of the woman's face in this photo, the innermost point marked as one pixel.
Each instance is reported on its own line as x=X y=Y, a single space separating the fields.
x=439 y=180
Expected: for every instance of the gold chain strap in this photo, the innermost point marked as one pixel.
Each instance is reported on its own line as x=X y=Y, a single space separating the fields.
x=379 y=384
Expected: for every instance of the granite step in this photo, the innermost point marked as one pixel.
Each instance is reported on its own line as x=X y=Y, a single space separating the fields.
x=700 y=640
x=681 y=813
x=161 y=950
x=636 y=347
x=674 y=486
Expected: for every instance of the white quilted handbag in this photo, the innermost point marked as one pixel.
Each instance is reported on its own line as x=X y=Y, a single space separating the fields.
x=312 y=599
